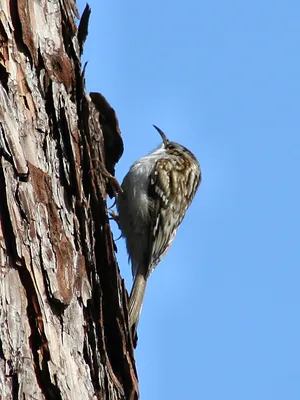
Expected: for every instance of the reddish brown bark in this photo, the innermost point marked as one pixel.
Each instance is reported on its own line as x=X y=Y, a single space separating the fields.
x=63 y=305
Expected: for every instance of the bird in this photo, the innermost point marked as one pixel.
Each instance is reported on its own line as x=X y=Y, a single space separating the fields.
x=156 y=193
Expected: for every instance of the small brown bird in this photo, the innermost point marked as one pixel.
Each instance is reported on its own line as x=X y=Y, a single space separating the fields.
x=157 y=191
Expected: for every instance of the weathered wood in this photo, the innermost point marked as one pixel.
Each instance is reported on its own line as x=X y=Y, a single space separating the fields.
x=63 y=305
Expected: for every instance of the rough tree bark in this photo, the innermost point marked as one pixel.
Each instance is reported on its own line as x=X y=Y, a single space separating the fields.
x=63 y=306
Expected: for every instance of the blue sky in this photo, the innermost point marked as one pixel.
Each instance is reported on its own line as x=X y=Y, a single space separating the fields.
x=221 y=313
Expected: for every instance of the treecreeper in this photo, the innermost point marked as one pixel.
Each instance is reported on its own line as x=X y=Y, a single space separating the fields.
x=157 y=191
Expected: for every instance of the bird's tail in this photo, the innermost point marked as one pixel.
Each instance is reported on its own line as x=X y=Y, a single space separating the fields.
x=136 y=301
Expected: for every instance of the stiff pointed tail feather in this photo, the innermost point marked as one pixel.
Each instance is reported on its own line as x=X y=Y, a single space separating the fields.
x=136 y=302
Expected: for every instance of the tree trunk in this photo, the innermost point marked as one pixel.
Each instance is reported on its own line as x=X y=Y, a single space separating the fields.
x=63 y=306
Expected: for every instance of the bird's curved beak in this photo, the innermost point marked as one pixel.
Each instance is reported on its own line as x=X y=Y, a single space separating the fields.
x=162 y=134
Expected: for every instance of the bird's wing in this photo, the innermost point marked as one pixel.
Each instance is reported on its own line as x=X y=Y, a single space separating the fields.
x=164 y=210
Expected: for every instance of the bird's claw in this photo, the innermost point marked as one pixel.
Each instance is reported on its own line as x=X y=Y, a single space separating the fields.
x=113 y=182
x=115 y=217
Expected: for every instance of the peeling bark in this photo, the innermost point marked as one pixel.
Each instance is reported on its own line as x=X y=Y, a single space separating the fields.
x=63 y=305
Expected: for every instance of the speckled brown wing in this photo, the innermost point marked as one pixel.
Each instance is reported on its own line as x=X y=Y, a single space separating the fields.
x=173 y=184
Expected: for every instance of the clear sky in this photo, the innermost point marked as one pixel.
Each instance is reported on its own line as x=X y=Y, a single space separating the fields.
x=221 y=313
